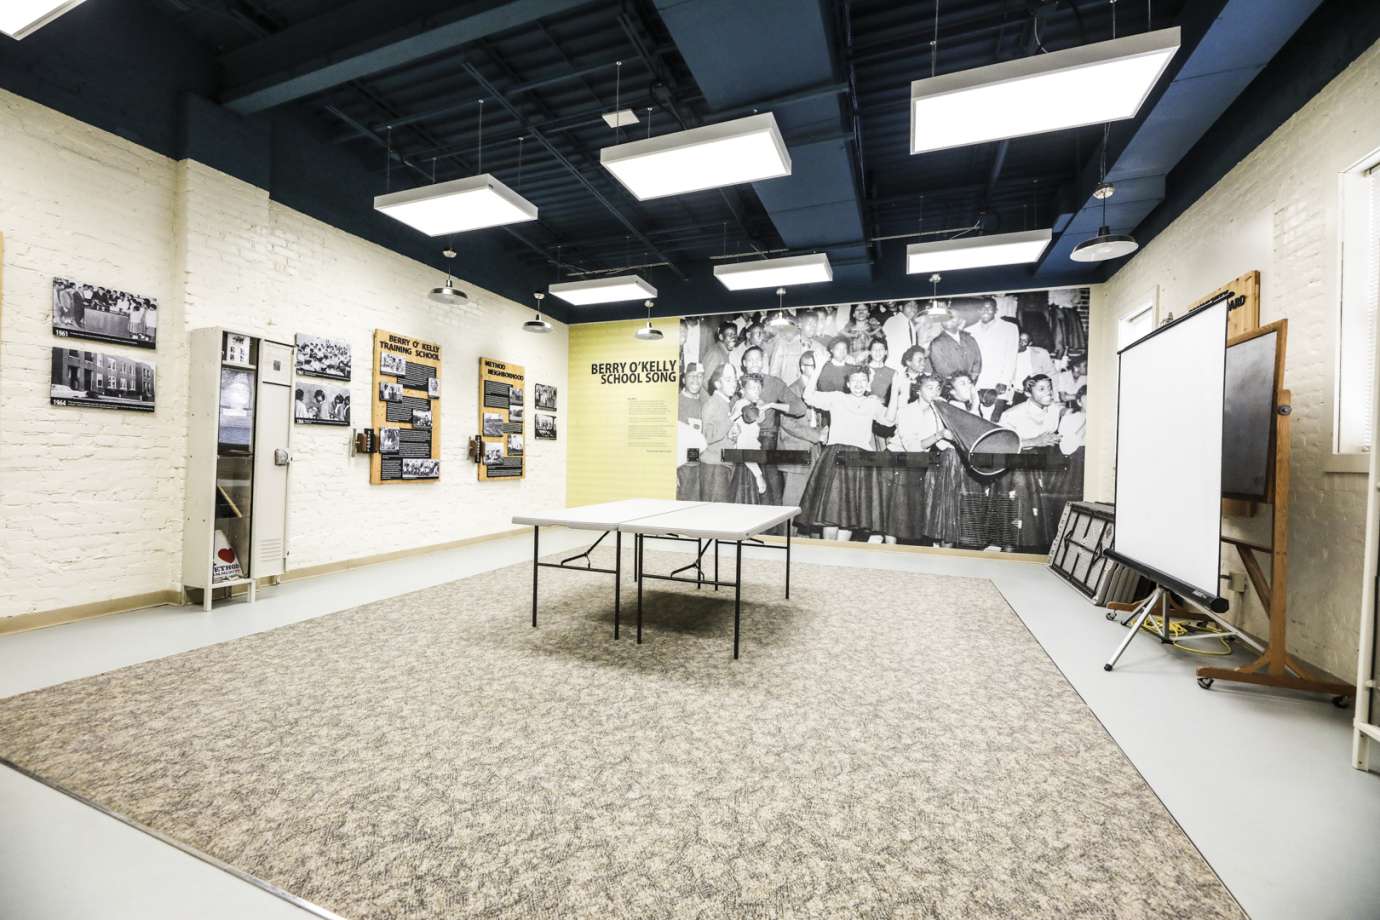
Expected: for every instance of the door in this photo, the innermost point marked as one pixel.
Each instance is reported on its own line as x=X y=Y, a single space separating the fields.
x=272 y=431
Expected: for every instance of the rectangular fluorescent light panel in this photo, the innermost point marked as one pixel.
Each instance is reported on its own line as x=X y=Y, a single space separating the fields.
x=456 y=206
x=21 y=18
x=772 y=273
x=620 y=119
x=976 y=251
x=603 y=290
x=1087 y=85
x=729 y=153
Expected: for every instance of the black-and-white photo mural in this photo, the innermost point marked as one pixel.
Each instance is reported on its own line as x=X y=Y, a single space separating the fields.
x=101 y=381
x=322 y=357
x=956 y=422
x=89 y=311
x=316 y=403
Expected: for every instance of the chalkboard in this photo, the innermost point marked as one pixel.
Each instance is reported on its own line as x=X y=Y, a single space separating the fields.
x=1252 y=380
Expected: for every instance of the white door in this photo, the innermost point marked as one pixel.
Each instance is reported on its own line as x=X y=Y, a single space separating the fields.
x=272 y=433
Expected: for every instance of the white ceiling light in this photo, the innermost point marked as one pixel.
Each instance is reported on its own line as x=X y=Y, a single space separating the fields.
x=620 y=119
x=448 y=293
x=976 y=251
x=729 y=153
x=472 y=203
x=21 y=18
x=648 y=333
x=537 y=324
x=603 y=290
x=765 y=273
x=1090 y=84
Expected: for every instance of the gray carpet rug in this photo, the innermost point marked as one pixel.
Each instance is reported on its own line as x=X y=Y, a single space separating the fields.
x=889 y=745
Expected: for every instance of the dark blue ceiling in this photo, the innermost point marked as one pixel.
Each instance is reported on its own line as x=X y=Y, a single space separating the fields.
x=303 y=97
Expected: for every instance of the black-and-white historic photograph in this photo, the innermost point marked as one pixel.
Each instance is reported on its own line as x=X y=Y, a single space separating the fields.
x=890 y=413
x=493 y=452
x=394 y=365
x=321 y=357
x=321 y=404
x=390 y=440
x=433 y=388
x=515 y=415
x=514 y=443
x=545 y=396
x=421 y=418
x=88 y=311
x=493 y=424
x=545 y=427
x=514 y=395
x=88 y=378
x=390 y=392
x=421 y=468
x=235 y=433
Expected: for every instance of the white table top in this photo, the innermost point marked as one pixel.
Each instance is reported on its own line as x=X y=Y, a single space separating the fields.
x=603 y=516
x=714 y=520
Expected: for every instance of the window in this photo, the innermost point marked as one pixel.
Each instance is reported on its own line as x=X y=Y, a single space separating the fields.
x=1134 y=324
x=1360 y=294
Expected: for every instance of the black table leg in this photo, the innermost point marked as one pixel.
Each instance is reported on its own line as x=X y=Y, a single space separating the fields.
x=536 y=553
x=716 y=565
x=788 y=560
x=638 y=539
x=699 y=563
x=737 y=596
x=617 y=578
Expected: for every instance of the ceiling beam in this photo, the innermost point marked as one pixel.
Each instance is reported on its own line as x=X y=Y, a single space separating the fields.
x=353 y=43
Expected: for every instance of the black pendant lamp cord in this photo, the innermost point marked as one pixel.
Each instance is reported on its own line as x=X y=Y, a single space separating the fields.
x=479 y=157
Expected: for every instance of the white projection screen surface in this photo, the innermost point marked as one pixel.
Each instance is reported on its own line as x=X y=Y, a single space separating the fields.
x=1169 y=452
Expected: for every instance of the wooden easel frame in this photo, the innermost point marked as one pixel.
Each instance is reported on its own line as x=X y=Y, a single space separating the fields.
x=1275 y=667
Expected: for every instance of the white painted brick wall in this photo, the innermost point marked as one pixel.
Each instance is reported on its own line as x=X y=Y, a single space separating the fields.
x=1276 y=211
x=91 y=500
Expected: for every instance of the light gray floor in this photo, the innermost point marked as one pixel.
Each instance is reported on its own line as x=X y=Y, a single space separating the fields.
x=1261 y=782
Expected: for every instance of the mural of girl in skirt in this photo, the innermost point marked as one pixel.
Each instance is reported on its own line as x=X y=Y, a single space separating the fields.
x=918 y=430
x=841 y=497
x=1036 y=421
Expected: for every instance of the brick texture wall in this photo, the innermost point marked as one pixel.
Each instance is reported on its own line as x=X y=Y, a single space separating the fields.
x=1276 y=211
x=91 y=500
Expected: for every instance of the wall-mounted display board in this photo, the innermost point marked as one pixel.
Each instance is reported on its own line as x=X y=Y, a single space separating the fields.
x=100 y=381
x=89 y=311
x=1243 y=303
x=407 y=409
x=322 y=357
x=501 y=407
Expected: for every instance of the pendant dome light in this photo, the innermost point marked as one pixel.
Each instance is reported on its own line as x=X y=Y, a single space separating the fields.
x=448 y=293
x=1106 y=245
x=648 y=333
x=780 y=320
x=936 y=310
x=537 y=324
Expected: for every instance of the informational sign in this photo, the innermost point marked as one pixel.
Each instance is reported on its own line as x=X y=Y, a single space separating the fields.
x=621 y=412
x=502 y=412
x=406 y=400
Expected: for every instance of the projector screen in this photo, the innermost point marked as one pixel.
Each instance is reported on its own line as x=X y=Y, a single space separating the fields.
x=1169 y=454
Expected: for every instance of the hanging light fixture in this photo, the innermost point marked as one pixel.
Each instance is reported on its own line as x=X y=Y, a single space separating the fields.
x=448 y=293
x=936 y=309
x=21 y=18
x=537 y=324
x=760 y=273
x=648 y=333
x=977 y=251
x=1100 y=82
x=1106 y=245
x=471 y=203
x=780 y=320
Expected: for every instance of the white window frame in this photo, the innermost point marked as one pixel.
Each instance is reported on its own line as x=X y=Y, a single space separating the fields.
x=1147 y=301
x=1354 y=431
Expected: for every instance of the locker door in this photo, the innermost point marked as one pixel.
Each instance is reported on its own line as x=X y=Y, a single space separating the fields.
x=272 y=432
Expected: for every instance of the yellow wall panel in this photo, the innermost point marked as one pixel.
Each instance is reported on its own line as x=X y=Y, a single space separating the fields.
x=621 y=423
